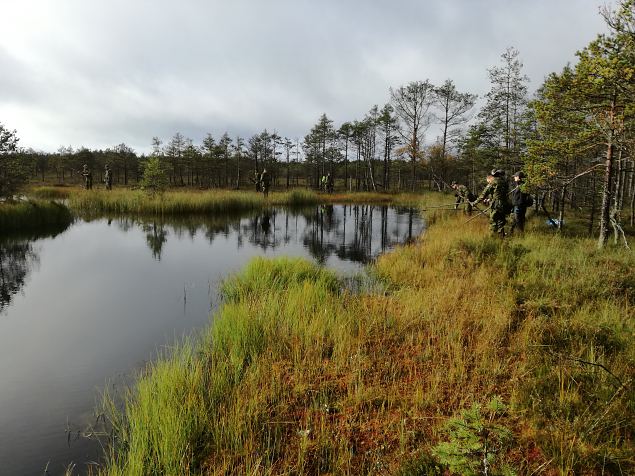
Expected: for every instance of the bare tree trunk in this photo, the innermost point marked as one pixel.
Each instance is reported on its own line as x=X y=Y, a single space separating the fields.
x=563 y=194
x=414 y=174
x=371 y=175
x=633 y=200
x=593 y=203
x=226 y=168
x=631 y=187
x=414 y=159
x=606 y=193
x=386 y=152
x=346 y=163
x=288 y=171
x=357 y=170
x=619 y=182
x=445 y=127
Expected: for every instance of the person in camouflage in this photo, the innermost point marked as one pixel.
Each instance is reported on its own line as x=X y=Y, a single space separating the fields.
x=108 y=177
x=265 y=182
x=88 y=177
x=496 y=192
x=256 y=180
x=520 y=201
x=329 y=183
x=463 y=194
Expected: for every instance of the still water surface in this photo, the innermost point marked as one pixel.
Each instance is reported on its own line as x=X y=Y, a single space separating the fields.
x=86 y=307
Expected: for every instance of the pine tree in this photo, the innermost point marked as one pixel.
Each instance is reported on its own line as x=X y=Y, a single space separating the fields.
x=389 y=127
x=155 y=180
x=412 y=105
x=238 y=150
x=345 y=133
x=224 y=144
x=209 y=149
x=503 y=112
x=173 y=151
x=453 y=109
x=13 y=170
x=319 y=145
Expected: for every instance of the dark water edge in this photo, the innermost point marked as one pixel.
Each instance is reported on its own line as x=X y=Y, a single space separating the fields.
x=86 y=306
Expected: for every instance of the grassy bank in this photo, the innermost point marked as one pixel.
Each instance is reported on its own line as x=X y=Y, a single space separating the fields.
x=169 y=203
x=33 y=215
x=178 y=202
x=526 y=344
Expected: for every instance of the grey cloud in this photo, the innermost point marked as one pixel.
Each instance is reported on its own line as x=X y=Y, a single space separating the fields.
x=99 y=73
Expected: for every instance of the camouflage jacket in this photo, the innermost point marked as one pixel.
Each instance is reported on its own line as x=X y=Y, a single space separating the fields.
x=497 y=192
x=462 y=191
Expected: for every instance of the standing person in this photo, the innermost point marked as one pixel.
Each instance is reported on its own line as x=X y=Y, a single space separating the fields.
x=88 y=177
x=265 y=182
x=496 y=191
x=108 y=177
x=520 y=201
x=329 y=183
x=323 y=183
x=463 y=194
x=256 y=180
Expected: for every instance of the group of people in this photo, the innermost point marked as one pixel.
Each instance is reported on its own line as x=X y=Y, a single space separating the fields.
x=500 y=201
x=88 y=177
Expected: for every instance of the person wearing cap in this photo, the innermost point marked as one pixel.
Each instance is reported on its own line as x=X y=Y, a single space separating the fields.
x=496 y=191
x=520 y=201
x=463 y=194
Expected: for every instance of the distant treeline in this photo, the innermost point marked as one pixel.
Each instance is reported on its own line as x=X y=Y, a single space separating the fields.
x=574 y=139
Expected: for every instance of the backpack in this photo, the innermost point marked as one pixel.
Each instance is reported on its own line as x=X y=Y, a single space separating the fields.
x=528 y=200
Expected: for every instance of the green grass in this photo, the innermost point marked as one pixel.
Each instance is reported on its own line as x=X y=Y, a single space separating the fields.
x=169 y=203
x=46 y=192
x=296 y=375
x=181 y=202
x=169 y=410
x=192 y=400
x=33 y=215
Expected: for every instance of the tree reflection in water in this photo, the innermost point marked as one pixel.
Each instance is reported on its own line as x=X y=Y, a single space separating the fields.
x=156 y=236
x=16 y=261
x=18 y=258
x=356 y=233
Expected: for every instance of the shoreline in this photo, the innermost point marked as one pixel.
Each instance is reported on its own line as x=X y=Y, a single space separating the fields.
x=308 y=378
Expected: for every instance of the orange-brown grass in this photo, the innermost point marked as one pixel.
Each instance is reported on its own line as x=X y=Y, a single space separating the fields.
x=298 y=375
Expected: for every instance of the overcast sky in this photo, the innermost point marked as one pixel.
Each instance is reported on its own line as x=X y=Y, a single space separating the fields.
x=98 y=73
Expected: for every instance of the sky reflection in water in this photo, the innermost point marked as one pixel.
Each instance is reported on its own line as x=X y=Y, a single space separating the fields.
x=95 y=302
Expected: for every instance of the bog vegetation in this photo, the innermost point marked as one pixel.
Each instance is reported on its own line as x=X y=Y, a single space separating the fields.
x=462 y=351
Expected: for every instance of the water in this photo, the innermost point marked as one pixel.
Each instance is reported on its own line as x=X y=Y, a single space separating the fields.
x=85 y=308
